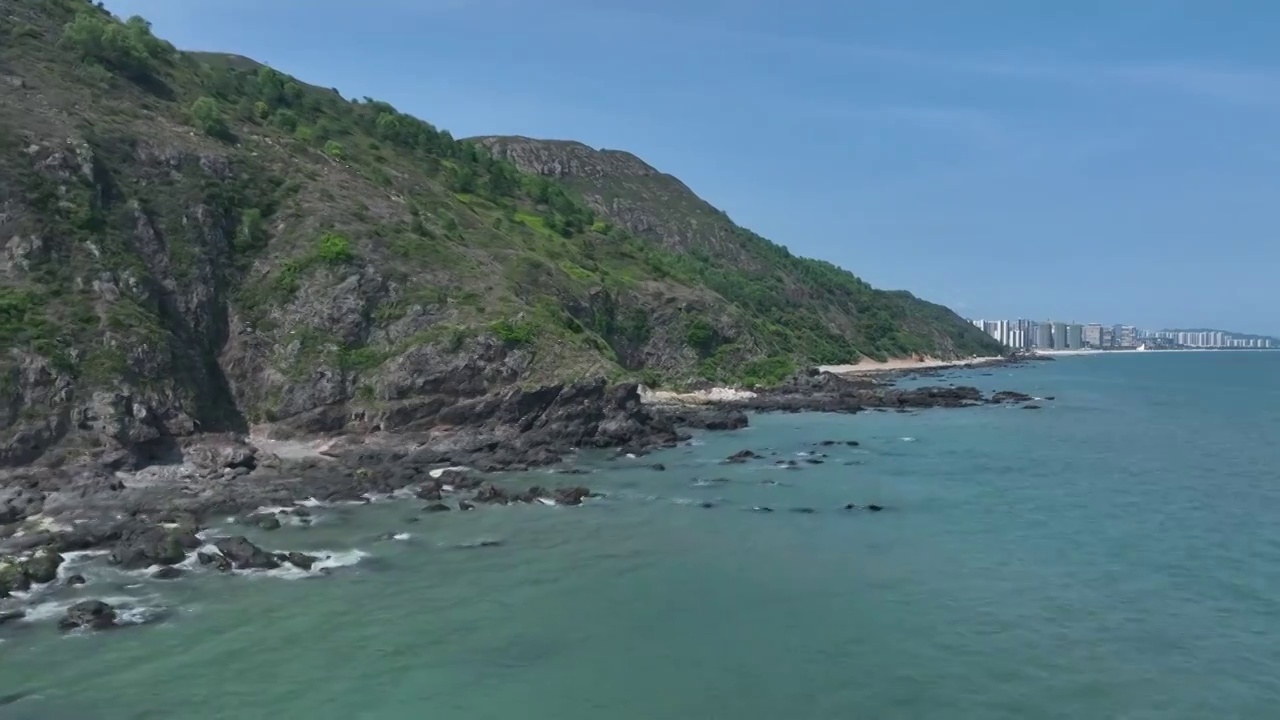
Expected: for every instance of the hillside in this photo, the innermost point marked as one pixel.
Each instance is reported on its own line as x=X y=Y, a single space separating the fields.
x=195 y=242
x=822 y=310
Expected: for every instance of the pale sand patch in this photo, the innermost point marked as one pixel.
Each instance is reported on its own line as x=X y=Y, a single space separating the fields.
x=291 y=449
x=697 y=397
x=867 y=365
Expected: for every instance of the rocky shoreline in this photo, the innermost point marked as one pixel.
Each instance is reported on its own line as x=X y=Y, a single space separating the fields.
x=147 y=507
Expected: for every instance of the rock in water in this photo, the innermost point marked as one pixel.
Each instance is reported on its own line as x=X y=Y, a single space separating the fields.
x=489 y=493
x=464 y=505
x=218 y=561
x=1009 y=396
x=436 y=507
x=43 y=566
x=10 y=615
x=76 y=579
x=245 y=555
x=93 y=614
x=145 y=546
x=167 y=573
x=301 y=560
x=571 y=495
x=741 y=456
x=268 y=522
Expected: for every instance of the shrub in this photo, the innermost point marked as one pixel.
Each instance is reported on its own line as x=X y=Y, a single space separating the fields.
x=700 y=336
x=334 y=249
x=208 y=117
x=513 y=332
x=333 y=149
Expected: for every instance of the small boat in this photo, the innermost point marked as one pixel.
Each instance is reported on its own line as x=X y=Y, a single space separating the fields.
x=1142 y=347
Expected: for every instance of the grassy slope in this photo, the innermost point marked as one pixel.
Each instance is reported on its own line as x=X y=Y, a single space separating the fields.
x=825 y=312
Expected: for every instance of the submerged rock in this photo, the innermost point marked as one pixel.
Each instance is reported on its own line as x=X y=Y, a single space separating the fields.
x=167 y=573
x=11 y=615
x=741 y=456
x=93 y=614
x=437 y=507
x=478 y=544
x=570 y=495
x=267 y=522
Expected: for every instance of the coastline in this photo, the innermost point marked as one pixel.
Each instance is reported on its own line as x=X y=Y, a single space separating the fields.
x=152 y=513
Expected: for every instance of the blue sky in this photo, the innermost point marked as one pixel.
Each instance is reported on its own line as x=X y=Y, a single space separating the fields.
x=1087 y=160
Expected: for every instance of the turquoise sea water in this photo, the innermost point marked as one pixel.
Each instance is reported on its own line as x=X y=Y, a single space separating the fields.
x=1114 y=555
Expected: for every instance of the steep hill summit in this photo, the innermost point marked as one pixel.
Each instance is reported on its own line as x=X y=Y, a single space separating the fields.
x=193 y=242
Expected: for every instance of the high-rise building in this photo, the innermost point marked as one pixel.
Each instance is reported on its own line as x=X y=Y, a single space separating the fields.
x=1075 y=339
x=1044 y=336
x=1125 y=335
x=1059 y=336
x=1093 y=335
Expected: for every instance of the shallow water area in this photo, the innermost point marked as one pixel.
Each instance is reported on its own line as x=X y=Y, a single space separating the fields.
x=1111 y=555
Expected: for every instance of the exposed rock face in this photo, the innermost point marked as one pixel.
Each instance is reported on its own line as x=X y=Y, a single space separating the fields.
x=17 y=503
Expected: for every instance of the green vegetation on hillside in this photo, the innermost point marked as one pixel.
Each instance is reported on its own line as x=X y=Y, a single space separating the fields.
x=226 y=239
x=808 y=309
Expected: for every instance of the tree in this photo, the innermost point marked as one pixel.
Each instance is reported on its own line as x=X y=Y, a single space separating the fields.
x=128 y=48
x=208 y=117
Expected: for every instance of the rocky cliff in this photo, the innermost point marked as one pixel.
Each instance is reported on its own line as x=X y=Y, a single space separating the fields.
x=196 y=243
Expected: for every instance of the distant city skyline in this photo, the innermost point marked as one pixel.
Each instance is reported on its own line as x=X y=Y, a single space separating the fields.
x=1026 y=334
